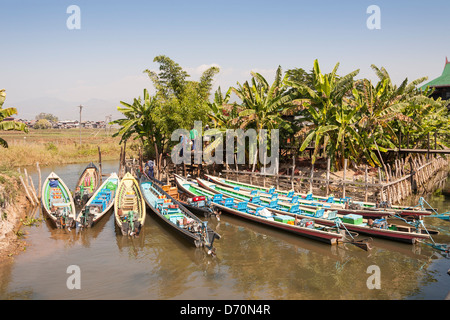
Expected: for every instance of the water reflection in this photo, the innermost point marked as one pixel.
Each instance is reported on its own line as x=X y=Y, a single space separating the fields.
x=252 y=262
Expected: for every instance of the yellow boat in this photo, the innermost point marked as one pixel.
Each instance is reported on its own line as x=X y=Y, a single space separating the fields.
x=129 y=206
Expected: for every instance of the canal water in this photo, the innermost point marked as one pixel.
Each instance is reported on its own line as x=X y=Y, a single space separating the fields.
x=252 y=263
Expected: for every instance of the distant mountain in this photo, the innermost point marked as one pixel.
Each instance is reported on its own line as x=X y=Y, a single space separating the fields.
x=93 y=109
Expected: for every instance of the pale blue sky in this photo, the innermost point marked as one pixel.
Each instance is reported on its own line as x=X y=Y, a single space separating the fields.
x=40 y=57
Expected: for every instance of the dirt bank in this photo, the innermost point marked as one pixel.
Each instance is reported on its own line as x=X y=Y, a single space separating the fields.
x=13 y=208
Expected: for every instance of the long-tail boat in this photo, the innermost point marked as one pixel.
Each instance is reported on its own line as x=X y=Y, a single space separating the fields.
x=343 y=206
x=306 y=228
x=177 y=217
x=129 y=206
x=87 y=184
x=100 y=203
x=392 y=229
x=58 y=203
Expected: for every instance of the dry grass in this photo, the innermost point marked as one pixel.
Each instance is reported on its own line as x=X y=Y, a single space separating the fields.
x=58 y=146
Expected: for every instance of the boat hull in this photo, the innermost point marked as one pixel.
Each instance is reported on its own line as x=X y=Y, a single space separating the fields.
x=99 y=199
x=194 y=238
x=318 y=235
x=401 y=236
x=128 y=184
x=371 y=213
x=58 y=196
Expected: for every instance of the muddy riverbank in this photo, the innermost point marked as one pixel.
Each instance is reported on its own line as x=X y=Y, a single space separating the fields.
x=13 y=210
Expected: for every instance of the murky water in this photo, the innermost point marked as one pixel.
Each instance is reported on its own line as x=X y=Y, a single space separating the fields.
x=252 y=262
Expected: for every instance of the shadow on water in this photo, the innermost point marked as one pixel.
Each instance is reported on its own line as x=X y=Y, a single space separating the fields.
x=252 y=262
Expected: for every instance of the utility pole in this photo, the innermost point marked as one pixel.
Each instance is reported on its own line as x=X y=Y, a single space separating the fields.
x=107 y=121
x=81 y=107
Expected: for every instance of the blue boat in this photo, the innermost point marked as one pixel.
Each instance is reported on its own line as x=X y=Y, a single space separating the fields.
x=280 y=220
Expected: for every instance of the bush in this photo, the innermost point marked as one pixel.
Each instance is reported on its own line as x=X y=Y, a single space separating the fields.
x=42 y=124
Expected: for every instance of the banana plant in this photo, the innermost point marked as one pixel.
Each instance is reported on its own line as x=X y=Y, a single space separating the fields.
x=8 y=125
x=140 y=122
x=262 y=103
x=324 y=109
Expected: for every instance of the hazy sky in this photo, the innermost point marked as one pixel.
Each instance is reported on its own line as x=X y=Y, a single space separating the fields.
x=41 y=57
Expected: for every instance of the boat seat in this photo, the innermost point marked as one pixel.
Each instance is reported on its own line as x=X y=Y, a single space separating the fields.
x=256 y=200
x=290 y=194
x=319 y=213
x=294 y=199
x=309 y=196
x=271 y=190
x=273 y=204
x=257 y=210
x=295 y=208
x=229 y=202
x=254 y=192
x=242 y=206
x=217 y=198
x=332 y=215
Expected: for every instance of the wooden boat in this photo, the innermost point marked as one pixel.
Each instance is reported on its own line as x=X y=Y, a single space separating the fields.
x=344 y=206
x=87 y=184
x=58 y=203
x=196 y=205
x=176 y=216
x=100 y=203
x=129 y=206
x=308 y=229
x=391 y=229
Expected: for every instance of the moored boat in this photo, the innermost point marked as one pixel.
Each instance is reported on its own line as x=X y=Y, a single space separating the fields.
x=87 y=184
x=100 y=203
x=58 y=203
x=305 y=228
x=196 y=205
x=343 y=206
x=177 y=217
x=129 y=206
x=391 y=229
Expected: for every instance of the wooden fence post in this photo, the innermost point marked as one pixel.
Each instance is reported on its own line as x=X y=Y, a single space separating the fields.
x=40 y=180
x=328 y=175
x=365 y=181
x=343 y=178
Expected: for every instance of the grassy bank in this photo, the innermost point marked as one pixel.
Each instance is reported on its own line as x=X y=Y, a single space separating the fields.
x=60 y=146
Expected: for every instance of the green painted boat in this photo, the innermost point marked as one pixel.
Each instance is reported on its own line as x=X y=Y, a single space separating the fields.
x=344 y=206
x=100 y=203
x=58 y=203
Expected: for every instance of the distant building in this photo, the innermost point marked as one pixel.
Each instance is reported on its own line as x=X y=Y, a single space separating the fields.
x=441 y=84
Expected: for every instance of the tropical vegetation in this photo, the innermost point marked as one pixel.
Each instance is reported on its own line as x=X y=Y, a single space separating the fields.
x=10 y=124
x=338 y=117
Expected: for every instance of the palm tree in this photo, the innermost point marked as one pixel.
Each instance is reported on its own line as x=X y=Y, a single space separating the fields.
x=8 y=125
x=140 y=123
